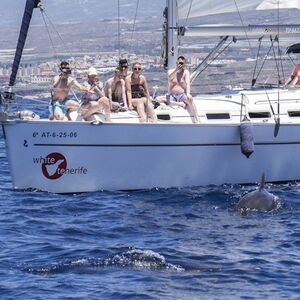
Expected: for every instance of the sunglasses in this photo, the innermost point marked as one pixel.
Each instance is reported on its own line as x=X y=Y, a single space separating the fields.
x=123 y=67
x=181 y=63
x=137 y=69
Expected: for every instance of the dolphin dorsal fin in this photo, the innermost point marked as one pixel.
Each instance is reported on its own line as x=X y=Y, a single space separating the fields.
x=262 y=182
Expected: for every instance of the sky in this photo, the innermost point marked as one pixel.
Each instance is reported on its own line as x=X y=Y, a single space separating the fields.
x=62 y=11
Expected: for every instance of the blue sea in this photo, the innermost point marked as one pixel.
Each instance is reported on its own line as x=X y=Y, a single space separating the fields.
x=186 y=243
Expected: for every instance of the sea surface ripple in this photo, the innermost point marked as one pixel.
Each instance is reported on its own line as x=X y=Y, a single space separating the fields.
x=186 y=243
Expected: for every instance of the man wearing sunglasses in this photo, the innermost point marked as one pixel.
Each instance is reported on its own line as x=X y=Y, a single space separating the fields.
x=179 y=88
x=115 y=91
x=138 y=95
x=62 y=84
x=123 y=68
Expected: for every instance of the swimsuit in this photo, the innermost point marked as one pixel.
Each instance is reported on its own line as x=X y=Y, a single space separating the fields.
x=115 y=98
x=137 y=91
x=58 y=106
x=178 y=98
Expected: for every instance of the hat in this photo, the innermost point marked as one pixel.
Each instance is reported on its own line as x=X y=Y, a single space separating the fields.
x=92 y=71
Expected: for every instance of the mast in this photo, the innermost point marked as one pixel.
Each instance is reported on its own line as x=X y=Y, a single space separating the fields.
x=172 y=33
x=30 y=5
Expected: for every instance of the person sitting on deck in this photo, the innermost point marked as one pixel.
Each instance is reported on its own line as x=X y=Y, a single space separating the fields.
x=94 y=99
x=62 y=84
x=138 y=94
x=179 y=86
x=294 y=78
x=115 y=91
x=123 y=68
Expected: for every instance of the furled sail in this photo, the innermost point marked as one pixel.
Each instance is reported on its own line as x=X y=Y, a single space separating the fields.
x=194 y=8
x=30 y=5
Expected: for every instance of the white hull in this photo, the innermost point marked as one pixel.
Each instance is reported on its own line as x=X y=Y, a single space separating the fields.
x=126 y=156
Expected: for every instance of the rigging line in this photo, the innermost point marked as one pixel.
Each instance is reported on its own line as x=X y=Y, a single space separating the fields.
x=269 y=76
x=49 y=35
x=59 y=35
x=257 y=58
x=119 y=32
x=41 y=103
x=292 y=60
x=54 y=28
x=186 y=19
x=272 y=42
x=135 y=17
x=271 y=106
x=215 y=57
x=281 y=65
x=217 y=47
x=30 y=105
x=244 y=27
x=65 y=46
x=276 y=64
x=278 y=103
x=43 y=12
x=281 y=61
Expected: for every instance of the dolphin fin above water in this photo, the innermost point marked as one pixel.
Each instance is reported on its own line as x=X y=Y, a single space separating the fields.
x=259 y=199
x=262 y=182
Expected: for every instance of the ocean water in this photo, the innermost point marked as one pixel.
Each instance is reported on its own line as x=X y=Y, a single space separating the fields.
x=186 y=243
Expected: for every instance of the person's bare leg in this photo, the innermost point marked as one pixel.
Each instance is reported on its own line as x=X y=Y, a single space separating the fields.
x=191 y=107
x=89 y=109
x=104 y=102
x=139 y=104
x=150 y=111
x=71 y=106
x=58 y=114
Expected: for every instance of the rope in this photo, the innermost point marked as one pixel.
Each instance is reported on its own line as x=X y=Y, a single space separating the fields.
x=186 y=19
x=42 y=10
x=281 y=63
x=119 y=30
x=49 y=35
x=212 y=60
x=272 y=43
x=278 y=103
x=57 y=32
x=54 y=28
x=276 y=63
x=241 y=19
x=132 y=44
x=256 y=63
x=271 y=106
x=135 y=17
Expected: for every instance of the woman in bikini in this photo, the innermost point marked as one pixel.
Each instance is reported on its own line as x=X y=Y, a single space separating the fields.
x=138 y=94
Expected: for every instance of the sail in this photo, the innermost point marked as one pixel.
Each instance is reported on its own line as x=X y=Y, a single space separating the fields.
x=30 y=5
x=274 y=4
x=196 y=8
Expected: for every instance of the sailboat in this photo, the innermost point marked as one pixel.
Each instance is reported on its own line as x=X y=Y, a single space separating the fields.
x=242 y=132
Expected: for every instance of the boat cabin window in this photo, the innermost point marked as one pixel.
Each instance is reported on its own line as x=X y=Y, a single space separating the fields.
x=294 y=113
x=218 y=116
x=259 y=114
x=165 y=117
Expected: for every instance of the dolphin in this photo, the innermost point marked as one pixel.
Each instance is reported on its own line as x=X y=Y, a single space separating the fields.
x=259 y=199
